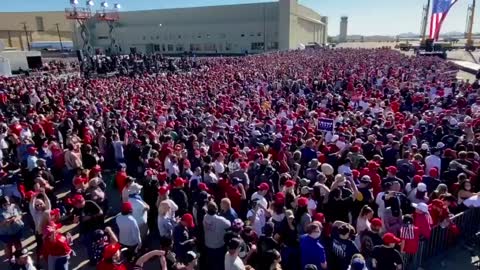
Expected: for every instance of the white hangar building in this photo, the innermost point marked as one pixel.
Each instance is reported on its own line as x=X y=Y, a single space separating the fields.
x=230 y=29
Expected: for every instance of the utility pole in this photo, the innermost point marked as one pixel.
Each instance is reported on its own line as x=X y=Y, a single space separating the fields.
x=26 y=34
x=59 y=36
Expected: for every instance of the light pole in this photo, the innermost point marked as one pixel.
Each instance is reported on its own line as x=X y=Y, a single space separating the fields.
x=59 y=36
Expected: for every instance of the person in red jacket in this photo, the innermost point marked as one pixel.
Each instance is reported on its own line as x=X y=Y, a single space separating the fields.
x=375 y=177
x=56 y=248
x=439 y=212
x=121 y=178
x=111 y=258
x=422 y=220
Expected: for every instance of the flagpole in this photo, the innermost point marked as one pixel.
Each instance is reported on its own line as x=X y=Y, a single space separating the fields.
x=425 y=21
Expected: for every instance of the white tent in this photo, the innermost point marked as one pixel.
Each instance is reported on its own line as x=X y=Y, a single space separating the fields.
x=5 y=69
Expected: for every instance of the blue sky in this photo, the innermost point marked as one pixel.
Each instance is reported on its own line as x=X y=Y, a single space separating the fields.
x=367 y=17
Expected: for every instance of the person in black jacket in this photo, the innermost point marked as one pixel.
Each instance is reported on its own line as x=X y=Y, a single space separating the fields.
x=178 y=195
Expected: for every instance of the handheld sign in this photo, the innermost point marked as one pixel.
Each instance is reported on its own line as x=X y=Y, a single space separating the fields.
x=325 y=124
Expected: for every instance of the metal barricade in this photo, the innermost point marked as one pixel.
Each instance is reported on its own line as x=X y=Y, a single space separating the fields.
x=442 y=239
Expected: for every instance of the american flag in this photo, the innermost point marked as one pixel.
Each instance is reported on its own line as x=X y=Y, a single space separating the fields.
x=439 y=13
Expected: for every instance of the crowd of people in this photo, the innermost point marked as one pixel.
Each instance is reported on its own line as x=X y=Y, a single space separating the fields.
x=228 y=167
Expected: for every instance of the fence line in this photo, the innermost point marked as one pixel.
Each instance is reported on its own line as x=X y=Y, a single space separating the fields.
x=442 y=239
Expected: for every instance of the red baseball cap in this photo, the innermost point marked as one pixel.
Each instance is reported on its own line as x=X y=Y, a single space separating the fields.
x=162 y=176
x=417 y=179
x=188 y=219
x=390 y=238
x=280 y=197
x=433 y=172
x=302 y=202
x=97 y=168
x=77 y=198
x=110 y=250
x=392 y=169
x=127 y=207
x=320 y=217
x=243 y=165
x=289 y=183
x=31 y=149
x=179 y=182
x=376 y=222
x=203 y=186
x=162 y=190
x=263 y=187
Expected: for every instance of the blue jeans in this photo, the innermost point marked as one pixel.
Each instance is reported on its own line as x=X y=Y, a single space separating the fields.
x=58 y=262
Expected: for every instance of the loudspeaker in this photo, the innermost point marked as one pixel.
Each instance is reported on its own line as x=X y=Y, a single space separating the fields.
x=80 y=55
x=429 y=45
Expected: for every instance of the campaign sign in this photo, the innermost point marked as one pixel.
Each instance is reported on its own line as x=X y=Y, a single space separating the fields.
x=325 y=124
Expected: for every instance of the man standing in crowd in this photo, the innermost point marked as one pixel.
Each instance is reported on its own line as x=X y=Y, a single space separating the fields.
x=215 y=228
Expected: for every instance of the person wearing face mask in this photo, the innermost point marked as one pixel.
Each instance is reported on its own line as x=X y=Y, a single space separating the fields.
x=312 y=251
x=386 y=257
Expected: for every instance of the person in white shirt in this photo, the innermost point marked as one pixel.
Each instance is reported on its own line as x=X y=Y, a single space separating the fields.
x=232 y=260
x=257 y=217
x=433 y=161
x=218 y=164
x=140 y=208
x=260 y=195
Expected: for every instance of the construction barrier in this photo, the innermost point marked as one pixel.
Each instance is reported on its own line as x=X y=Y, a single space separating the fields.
x=463 y=226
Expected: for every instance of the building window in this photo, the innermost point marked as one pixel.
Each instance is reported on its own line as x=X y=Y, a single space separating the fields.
x=158 y=37
x=242 y=35
x=170 y=47
x=228 y=47
x=144 y=37
x=195 y=47
x=179 y=48
x=199 y=36
x=252 y=34
x=272 y=46
x=156 y=47
x=163 y=47
x=256 y=46
x=40 y=26
x=210 y=47
x=102 y=37
x=208 y=35
x=179 y=36
x=259 y=34
x=220 y=47
x=223 y=35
